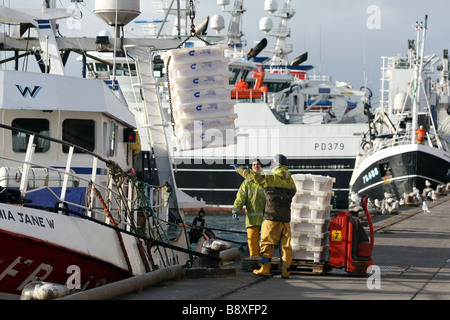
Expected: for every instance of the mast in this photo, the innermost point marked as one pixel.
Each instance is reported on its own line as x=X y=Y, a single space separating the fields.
x=418 y=68
x=234 y=34
x=281 y=49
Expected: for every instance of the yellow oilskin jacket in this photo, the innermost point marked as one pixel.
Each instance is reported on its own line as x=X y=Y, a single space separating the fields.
x=252 y=197
x=279 y=189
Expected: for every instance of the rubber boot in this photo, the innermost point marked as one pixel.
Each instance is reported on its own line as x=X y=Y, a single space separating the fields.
x=265 y=267
x=285 y=273
x=264 y=271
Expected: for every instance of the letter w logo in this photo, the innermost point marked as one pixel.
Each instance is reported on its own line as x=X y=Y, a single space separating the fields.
x=33 y=93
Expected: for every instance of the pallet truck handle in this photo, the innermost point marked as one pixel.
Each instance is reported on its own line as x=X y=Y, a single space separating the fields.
x=369 y=219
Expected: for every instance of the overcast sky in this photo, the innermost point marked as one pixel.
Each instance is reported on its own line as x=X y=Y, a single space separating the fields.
x=344 y=38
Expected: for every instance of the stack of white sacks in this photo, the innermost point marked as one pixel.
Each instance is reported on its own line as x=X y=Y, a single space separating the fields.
x=201 y=97
x=310 y=217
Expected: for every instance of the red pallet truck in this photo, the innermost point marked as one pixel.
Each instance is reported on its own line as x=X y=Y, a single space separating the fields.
x=349 y=245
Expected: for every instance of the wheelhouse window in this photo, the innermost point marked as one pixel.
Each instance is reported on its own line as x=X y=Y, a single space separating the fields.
x=20 y=139
x=101 y=67
x=80 y=132
x=238 y=74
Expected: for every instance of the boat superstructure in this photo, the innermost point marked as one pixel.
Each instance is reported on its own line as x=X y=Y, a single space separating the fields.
x=398 y=159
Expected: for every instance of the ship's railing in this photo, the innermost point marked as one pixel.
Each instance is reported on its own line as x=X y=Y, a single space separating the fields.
x=383 y=143
x=117 y=198
x=398 y=140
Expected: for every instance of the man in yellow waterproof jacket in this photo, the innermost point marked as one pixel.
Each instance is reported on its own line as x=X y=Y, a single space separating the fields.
x=251 y=195
x=279 y=189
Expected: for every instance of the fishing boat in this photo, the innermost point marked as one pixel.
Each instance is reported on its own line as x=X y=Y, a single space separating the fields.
x=283 y=108
x=76 y=204
x=396 y=158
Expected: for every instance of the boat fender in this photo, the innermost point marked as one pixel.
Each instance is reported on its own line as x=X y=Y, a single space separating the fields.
x=40 y=290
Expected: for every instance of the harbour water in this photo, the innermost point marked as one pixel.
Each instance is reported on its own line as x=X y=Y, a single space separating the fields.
x=224 y=227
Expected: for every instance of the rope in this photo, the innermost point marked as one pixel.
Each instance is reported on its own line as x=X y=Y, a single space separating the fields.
x=122 y=245
x=212 y=229
x=145 y=238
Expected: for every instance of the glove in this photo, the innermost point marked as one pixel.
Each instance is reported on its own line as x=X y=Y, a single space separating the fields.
x=235 y=216
x=234 y=166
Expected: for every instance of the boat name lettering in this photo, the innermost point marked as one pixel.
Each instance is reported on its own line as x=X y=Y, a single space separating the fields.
x=24 y=91
x=27 y=219
x=330 y=146
x=370 y=175
x=40 y=273
x=33 y=270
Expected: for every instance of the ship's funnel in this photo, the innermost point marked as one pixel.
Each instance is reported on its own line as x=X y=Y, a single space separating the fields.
x=201 y=28
x=127 y=11
x=257 y=49
x=300 y=59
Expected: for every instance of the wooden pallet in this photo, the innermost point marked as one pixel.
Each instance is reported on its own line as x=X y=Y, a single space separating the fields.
x=297 y=266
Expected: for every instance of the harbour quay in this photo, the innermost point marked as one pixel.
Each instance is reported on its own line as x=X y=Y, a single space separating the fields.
x=411 y=261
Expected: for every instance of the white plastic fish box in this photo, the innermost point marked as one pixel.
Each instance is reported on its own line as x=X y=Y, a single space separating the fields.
x=211 y=138
x=319 y=198
x=201 y=125
x=310 y=211
x=304 y=240
x=199 y=69
x=212 y=95
x=313 y=182
x=204 y=82
x=315 y=254
x=310 y=225
x=202 y=111
x=200 y=54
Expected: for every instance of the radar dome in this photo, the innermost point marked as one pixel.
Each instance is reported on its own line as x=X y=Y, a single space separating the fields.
x=271 y=6
x=265 y=24
x=402 y=99
x=223 y=2
x=127 y=11
x=217 y=22
x=104 y=33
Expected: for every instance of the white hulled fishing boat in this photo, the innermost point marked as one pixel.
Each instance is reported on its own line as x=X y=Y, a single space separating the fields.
x=72 y=210
x=406 y=144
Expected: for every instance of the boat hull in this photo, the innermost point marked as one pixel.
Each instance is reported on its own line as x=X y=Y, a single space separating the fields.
x=399 y=169
x=25 y=259
x=46 y=246
x=217 y=184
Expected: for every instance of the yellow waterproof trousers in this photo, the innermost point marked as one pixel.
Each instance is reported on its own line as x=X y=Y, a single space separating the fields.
x=272 y=233
x=253 y=240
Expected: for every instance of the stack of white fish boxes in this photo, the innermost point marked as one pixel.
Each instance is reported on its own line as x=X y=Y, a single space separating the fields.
x=310 y=217
x=203 y=111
